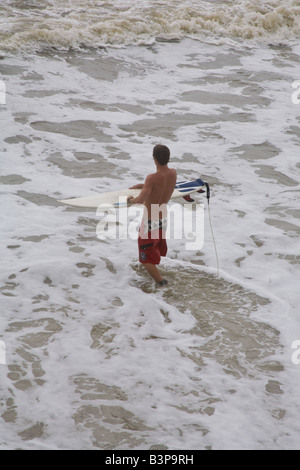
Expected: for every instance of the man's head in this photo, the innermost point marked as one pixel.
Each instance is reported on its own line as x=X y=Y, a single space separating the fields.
x=161 y=153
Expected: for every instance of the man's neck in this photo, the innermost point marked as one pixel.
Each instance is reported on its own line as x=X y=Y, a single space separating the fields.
x=161 y=167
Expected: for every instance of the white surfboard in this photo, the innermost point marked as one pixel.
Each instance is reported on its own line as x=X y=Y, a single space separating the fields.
x=119 y=198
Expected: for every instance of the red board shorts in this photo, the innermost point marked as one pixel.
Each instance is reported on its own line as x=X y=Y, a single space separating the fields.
x=152 y=241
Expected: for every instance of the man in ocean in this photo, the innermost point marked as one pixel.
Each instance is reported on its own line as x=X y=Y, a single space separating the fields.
x=155 y=195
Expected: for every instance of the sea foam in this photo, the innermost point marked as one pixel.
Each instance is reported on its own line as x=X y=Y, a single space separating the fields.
x=65 y=25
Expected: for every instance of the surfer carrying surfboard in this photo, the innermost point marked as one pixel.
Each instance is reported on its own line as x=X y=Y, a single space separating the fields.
x=156 y=192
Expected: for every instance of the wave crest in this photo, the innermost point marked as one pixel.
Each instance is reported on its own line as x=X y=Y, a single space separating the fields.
x=65 y=24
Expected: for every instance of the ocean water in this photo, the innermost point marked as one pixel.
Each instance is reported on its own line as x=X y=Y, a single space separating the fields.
x=92 y=354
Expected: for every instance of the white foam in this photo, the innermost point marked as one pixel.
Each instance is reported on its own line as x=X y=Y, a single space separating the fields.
x=62 y=24
x=144 y=343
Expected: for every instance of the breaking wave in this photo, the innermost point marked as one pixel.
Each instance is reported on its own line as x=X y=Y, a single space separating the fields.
x=65 y=24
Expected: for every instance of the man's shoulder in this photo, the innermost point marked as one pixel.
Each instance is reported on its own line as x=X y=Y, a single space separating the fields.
x=157 y=176
x=151 y=177
x=173 y=172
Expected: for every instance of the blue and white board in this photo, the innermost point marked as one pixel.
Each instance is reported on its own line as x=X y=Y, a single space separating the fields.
x=119 y=198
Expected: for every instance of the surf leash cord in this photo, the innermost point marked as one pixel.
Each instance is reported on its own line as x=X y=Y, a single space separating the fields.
x=210 y=223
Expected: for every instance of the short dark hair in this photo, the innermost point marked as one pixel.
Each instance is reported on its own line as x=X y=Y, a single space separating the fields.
x=161 y=153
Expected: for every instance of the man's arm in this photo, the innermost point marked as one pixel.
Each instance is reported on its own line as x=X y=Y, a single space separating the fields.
x=137 y=186
x=144 y=194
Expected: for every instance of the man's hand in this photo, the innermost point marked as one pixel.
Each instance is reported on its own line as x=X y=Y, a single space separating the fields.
x=144 y=194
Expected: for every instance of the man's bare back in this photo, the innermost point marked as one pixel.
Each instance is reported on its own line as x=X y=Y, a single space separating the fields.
x=156 y=192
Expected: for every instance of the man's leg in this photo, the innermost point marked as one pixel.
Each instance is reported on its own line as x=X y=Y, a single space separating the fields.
x=149 y=256
x=155 y=274
x=153 y=271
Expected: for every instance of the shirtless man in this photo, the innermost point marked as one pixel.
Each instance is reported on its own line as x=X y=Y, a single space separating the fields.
x=155 y=194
